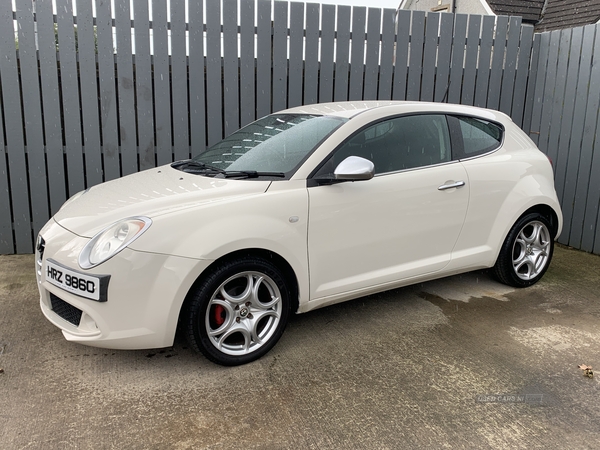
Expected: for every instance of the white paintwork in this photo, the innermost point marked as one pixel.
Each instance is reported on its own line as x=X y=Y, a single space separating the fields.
x=396 y=226
x=153 y=192
x=486 y=7
x=345 y=240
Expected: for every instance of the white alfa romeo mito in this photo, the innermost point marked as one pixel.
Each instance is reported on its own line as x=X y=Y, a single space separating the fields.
x=301 y=209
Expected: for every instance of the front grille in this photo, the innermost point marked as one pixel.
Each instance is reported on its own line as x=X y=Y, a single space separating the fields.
x=40 y=247
x=65 y=310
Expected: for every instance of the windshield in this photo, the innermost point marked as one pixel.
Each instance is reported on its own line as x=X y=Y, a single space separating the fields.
x=275 y=144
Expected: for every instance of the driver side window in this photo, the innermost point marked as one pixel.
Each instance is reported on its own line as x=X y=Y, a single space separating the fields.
x=397 y=144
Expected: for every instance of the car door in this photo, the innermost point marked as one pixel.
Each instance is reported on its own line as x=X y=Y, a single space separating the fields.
x=402 y=223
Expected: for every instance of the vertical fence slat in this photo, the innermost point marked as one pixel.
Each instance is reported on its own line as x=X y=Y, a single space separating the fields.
x=591 y=224
x=430 y=56
x=357 y=53
x=401 y=63
x=70 y=96
x=510 y=65
x=125 y=84
x=7 y=243
x=540 y=88
x=196 y=80
x=596 y=248
x=143 y=86
x=551 y=71
x=17 y=163
x=415 y=63
x=590 y=228
x=296 y=53
x=162 y=88
x=108 y=95
x=51 y=106
x=280 y=58
x=15 y=148
x=558 y=100
x=231 y=66
x=523 y=69
x=566 y=152
x=372 y=58
x=247 y=36
x=485 y=57
x=214 y=101
x=342 y=46
x=263 y=68
x=33 y=118
x=327 y=54
x=386 y=68
x=469 y=80
x=573 y=174
x=86 y=39
x=179 y=81
x=531 y=86
x=443 y=58
x=493 y=101
x=458 y=57
x=311 y=66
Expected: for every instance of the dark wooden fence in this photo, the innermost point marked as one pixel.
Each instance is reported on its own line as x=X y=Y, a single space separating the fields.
x=564 y=123
x=87 y=99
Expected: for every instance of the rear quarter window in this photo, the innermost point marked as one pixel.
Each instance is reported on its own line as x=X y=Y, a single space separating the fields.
x=475 y=136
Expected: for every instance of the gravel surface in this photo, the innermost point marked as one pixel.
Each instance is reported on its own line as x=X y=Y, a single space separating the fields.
x=462 y=362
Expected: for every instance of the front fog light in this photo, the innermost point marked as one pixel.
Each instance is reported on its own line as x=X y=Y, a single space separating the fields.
x=110 y=241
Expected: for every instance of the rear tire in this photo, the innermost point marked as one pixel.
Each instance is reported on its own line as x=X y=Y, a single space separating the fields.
x=239 y=312
x=526 y=252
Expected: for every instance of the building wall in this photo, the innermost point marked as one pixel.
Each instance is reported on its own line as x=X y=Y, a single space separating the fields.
x=470 y=7
x=461 y=6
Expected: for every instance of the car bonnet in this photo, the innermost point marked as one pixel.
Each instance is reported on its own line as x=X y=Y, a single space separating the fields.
x=149 y=193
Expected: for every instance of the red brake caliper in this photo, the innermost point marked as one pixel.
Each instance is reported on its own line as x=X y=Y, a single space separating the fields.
x=219 y=315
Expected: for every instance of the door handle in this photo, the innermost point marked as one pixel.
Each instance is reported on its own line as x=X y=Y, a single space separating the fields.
x=457 y=184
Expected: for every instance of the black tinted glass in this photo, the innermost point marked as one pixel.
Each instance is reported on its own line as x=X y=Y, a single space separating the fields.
x=278 y=142
x=397 y=144
x=479 y=136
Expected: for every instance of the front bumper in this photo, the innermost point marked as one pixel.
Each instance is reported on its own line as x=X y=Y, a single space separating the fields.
x=144 y=296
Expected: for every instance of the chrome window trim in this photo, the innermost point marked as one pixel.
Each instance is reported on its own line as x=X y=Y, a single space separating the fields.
x=445 y=163
x=483 y=154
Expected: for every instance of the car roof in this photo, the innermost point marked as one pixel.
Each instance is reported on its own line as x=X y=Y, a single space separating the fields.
x=353 y=108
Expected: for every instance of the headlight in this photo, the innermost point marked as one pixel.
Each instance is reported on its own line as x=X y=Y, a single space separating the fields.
x=110 y=241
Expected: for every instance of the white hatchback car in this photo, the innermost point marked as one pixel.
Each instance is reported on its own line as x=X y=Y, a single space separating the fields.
x=301 y=209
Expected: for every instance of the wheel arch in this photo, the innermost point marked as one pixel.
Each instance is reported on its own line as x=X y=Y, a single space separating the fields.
x=549 y=213
x=541 y=208
x=504 y=269
x=285 y=267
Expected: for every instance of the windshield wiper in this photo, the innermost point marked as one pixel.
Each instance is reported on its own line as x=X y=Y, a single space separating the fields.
x=192 y=166
x=251 y=174
x=188 y=165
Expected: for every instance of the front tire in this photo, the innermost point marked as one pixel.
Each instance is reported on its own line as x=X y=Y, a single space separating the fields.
x=526 y=252
x=239 y=312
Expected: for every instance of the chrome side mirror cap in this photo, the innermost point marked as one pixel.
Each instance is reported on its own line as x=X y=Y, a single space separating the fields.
x=354 y=168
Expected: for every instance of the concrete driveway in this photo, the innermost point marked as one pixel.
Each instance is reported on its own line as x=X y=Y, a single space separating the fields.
x=460 y=363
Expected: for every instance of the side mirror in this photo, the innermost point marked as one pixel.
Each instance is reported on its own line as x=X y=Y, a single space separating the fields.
x=354 y=168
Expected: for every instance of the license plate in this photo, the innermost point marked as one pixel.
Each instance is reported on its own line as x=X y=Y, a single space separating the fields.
x=92 y=287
